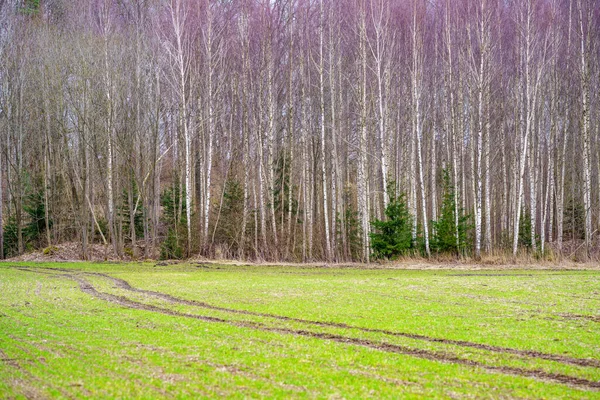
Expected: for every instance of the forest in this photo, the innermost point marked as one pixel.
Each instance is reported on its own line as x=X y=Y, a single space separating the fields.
x=301 y=130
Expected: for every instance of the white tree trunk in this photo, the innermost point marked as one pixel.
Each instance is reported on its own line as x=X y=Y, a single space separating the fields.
x=585 y=122
x=322 y=109
x=211 y=122
x=416 y=73
x=363 y=207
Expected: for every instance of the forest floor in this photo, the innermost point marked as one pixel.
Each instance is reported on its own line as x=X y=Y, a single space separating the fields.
x=189 y=330
x=72 y=252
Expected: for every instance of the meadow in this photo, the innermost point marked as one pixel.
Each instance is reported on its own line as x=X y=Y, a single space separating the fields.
x=204 y=330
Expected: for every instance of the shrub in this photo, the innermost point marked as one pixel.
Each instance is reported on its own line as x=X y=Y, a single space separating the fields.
x=50 y=251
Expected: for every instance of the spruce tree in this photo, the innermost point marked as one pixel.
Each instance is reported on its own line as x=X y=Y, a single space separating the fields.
x=174 y=219
x=392 y=237
x=448 y=237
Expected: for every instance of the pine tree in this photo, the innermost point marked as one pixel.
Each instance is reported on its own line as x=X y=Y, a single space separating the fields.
x=392 y=237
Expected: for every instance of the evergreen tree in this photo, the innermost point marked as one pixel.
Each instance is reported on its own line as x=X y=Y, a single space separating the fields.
x=281 y=186
x=351 y=231
x=173 y=211
x=392 y=237
x=229 y=229
x=171 y=248
x=11 y=238
x=33 y=229
x=448 y=237
x=574 y=217
x=525 y=231
x=174 y=205
x=138 y=218
x=30 y=7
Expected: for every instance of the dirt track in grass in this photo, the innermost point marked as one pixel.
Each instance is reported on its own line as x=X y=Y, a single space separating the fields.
x=122 y=284
x=88 y=288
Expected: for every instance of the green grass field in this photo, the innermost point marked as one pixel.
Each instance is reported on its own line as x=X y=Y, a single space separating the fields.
x=83 y=330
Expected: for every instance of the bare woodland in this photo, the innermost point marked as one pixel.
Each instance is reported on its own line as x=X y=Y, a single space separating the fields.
x=278 y=130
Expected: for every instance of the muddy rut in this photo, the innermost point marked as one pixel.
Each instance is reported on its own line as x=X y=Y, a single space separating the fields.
x=88 y=288
x=122 y=284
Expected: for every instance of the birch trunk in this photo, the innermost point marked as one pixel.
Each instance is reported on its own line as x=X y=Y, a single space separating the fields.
x=532 y=188
x=585 y=122
x=261 y=191
x=46 y=171
x=336 y=182
x=211 y=121
x=520 y=154
x=379 y=52
x=417 y=63
x=322 y=109
x=243 y=28
x=452 y=131
x=563 y=153
x=362 y=143
x=271 y=141
x=290 y=111
x=109 y=139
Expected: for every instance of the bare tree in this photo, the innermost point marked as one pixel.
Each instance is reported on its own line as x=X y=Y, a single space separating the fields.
x=114 y=112
x=416 y=90
x=176 y=45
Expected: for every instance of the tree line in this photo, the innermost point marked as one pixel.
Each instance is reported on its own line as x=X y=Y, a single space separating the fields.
x=300 y=129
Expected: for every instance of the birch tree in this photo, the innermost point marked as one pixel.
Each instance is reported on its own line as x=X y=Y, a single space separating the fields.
x=417 y=123
x=176 y=44
x=362 y=187
x=584 y=12
x=113 y=113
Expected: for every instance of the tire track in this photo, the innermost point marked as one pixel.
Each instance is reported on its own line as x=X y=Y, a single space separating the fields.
x=123 y=284
x=25 y=384
x=88 y=288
